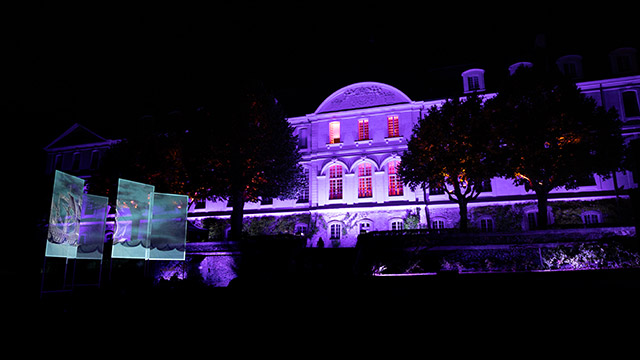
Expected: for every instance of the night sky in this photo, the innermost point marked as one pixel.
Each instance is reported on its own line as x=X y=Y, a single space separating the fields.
x=105 y=66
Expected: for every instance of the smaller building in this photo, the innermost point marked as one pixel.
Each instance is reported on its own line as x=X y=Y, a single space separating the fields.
x=78 y=151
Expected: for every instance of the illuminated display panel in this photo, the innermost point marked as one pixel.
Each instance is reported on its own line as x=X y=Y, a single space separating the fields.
x=169 y=227
x=92 y=226
x=64 y=219
x=133 y=220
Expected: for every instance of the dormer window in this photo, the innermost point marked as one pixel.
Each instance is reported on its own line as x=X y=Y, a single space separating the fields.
x=624 y=61
x=571 y=66
x=473 y=80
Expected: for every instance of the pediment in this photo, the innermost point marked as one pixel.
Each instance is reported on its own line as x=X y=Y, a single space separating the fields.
x=74 y=136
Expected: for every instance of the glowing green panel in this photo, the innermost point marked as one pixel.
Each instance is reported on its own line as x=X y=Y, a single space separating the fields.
x=92 y=224
x=169 y=227
x=64 y=219
x=133 y=220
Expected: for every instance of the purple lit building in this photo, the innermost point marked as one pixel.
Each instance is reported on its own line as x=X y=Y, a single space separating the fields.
x=351 y=146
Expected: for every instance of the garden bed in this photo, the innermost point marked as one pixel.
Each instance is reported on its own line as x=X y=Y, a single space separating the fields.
x=568 y=249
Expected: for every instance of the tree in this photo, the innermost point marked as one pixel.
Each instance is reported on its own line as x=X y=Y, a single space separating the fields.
x=450 y=148
x=551 y=135
x=236 y=147
x=250 y=152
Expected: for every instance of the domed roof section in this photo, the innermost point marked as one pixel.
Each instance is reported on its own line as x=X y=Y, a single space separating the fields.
x=362 y=95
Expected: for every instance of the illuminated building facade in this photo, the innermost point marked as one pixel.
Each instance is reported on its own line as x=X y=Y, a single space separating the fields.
x=352 y=143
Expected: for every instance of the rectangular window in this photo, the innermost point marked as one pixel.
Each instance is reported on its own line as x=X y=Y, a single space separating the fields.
x=334 y=132
x=363 y=129
x=303 y=196
x=336 y=231
x=630 y=103
x=484 y=186
x=532 y=219
x=624 y=63
x=335 y=182
x=397 y=225
x=393 y=126
x=76 y=161
x=95 y=159
x=591 y=219
x=474 y=83
x=437 y=224
x=436 y=189
x=486 y=225
x=395 y=185
x=58 y=162
x=364 y=181
x=302 y=138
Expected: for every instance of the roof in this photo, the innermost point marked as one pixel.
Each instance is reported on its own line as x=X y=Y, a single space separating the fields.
x=74 y=136
x=362 y=95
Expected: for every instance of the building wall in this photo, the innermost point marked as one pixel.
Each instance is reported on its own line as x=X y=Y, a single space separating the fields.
x=380 y=210
x=376 y=102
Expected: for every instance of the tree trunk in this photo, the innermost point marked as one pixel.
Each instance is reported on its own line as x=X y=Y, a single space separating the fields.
x=426 y=205
x=542 y=209
x=463 y=216
x=237 y=214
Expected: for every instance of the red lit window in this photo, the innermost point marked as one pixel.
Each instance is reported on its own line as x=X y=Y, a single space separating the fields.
x=334 y=132
x=394 y=128
x=364 y=181
x=363 y=129
x=335 y=182
x=395 y=185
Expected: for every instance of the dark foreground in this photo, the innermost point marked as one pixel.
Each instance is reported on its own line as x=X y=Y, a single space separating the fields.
x=594 y=293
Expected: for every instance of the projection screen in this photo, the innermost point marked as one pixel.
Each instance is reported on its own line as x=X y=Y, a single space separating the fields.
x=133 y=220
x=92 y=226
x=168 y=227
x=64 y=219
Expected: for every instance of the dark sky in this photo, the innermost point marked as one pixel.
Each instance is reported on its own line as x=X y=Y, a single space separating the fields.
x=104 y=65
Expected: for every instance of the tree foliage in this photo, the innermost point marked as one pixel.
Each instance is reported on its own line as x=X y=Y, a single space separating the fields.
x=451 y=148
x=235 y=146
x=551 y=135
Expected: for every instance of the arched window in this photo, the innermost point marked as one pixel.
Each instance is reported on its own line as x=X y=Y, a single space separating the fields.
x=396 y=224
x=335 y=182
x=570 y=66
x=395 y=185
x=513 y=68
x=623 y=60
x=365 y=189
x=365 y=226
x=437 y=223
x=300 y=229
x=473 y=80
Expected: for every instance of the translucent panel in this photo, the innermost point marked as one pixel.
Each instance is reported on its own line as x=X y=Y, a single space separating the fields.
x=169 y=227
x=92 y=224
x=133 y=220
x=64 y=220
